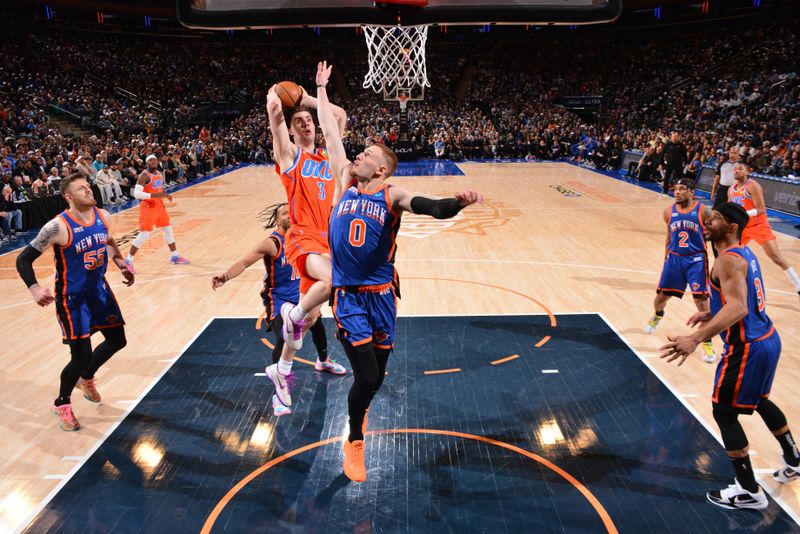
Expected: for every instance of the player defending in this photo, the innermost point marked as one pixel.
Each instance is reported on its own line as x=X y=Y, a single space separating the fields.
x=750 y=195
x=150 y=190
x=364 y=224
x=304 y=170
x=752 y=348
x=281 y=285
x=686 y=261
x=80 y=237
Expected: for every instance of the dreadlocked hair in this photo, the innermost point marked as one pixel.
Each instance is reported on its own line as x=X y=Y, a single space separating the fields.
x=269 y=215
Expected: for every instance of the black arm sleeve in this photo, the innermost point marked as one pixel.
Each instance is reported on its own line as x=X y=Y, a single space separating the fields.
x=25 y=265
x=444 y=208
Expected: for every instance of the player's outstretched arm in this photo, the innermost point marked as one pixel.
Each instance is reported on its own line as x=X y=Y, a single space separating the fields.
x=139 y=193
x=330 y=129
x=285 y=151
x=267 y=248
x=115 y=254
x=442 y=208
x=52 y=233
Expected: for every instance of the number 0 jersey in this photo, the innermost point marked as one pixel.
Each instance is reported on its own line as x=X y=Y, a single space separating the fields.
x=362 y=232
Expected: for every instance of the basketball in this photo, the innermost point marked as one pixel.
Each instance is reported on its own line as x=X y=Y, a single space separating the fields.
x=289 y=93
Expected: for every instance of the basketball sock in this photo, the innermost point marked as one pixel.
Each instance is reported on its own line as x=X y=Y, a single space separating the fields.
x=660 y=313
x=791 y=274
x=175 y=254
x=789 y=446
x=297 y=314
x=130 y=257
x=744 y=473
x=284 y=367
x=61 y=400
x=320 y=340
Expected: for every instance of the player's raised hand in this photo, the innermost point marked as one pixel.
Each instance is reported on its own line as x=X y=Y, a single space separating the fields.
x=42 y=296
x=467 y=197
x=323 y=73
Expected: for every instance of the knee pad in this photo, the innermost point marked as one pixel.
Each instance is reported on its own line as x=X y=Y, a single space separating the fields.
x=140 y=239
x=168 y=237
x=733 y=436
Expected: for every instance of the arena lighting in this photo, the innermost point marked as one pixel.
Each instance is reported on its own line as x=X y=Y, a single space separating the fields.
x=147 y=21
x=657 y=12
x=48 y=11
x=100 y=18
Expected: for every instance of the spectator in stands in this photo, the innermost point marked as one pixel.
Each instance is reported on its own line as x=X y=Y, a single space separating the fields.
x=675 y=160
x=20 y=190
x=10 y=214
x=85 y=167
x=109 y=188
x=39 y=187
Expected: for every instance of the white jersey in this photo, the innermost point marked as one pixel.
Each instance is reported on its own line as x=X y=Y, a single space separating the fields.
x=726 y=177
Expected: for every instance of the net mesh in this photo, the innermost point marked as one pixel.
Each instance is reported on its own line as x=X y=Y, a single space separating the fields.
x=396 y=56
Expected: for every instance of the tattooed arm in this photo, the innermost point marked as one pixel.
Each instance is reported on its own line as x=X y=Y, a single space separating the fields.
x=53 y=233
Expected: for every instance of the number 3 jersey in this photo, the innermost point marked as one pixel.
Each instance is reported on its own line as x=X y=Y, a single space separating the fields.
x=362 y=234
x=756 y=324
x=81 y=263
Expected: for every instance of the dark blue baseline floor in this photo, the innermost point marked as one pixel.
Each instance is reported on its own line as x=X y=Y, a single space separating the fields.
x=604 y=418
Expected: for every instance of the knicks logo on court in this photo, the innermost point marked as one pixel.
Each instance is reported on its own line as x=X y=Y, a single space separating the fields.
x=473 y=222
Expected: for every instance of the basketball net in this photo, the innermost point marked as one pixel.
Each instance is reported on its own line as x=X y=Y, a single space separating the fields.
x=396 y=57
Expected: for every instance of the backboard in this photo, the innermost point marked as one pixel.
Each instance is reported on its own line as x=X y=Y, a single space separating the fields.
x=253 y=14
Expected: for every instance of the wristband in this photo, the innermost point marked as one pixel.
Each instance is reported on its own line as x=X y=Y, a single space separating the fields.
x=753 y=212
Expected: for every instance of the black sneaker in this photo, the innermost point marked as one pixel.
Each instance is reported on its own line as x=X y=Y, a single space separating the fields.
x=735 y=497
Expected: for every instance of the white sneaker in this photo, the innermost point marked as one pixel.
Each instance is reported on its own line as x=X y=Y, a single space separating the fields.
x=734 y=497
x=292 y=330
x=652 y=324
x=709 y=356
x=282 y=384
x=787 y=474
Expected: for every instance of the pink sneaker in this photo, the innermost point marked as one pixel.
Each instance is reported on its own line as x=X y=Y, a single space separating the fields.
x=129 y=264
x=90 y=393
x=66 y=419
x=330 y=366
x=178 y=260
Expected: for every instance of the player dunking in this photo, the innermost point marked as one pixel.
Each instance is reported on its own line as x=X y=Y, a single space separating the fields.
x=150 y=192
x=281 y=285
x=364 y=224
x=686 y=261
x=81 y=239
x=750 y=195
x=304 y=170
x=752 y=348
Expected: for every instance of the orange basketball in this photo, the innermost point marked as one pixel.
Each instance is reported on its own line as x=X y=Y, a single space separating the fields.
x=289 y=93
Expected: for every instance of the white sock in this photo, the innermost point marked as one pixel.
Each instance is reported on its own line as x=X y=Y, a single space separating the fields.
x=284 y=367
x=175 y=254
x=130 y=258
x=297 y=314
x=791 y=274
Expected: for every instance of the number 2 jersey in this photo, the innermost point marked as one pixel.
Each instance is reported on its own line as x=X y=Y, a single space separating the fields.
x=363 y=231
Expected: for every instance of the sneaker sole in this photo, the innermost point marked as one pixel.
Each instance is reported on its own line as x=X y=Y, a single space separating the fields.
x=61 y=426
x=737 y=506
x=330 y=371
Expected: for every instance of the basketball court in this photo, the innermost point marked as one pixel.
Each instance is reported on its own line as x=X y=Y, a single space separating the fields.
x=523 y=393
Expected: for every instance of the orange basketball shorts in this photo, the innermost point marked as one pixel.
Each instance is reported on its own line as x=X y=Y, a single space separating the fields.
x=299 y=244
x=150 y=216
x=759 y=231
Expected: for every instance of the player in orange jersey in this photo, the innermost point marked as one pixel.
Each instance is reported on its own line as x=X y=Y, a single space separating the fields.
x=750 y=195
x=305 y=172
x=150 y=190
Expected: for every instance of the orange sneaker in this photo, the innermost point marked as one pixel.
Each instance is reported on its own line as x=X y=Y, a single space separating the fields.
x=66 y=419
x=353 y=465
x=90 y=392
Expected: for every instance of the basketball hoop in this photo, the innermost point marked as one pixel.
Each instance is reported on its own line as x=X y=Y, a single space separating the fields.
x=396 y=56
x=403 y=99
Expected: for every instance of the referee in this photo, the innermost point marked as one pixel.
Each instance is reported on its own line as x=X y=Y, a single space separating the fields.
x=675 y=159
x=724 y=178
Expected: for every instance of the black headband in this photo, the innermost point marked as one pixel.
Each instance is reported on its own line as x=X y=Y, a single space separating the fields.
x=734 y=213
x=688 y=182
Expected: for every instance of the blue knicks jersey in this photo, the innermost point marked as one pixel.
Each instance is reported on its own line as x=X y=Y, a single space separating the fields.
x=281 y=282
x=81 y=263
x=756 y=324
x=686 y=231
x=362 y=235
